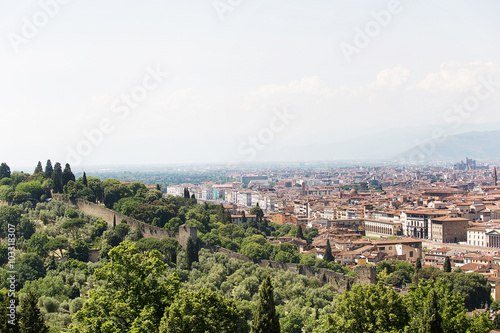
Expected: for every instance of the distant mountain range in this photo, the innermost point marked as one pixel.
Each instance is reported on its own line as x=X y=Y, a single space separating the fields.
x=482 y=145
x=400 y=144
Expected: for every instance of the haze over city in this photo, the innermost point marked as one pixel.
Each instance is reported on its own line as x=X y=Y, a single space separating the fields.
x=123 y=82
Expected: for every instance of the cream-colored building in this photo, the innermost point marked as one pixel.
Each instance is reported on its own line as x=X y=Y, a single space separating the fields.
x=382 y=228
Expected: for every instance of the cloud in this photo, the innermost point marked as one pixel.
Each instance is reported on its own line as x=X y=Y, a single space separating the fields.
x=392 y=77
x=454 y=77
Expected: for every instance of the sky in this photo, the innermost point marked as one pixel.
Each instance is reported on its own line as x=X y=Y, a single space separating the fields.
x=228 y=81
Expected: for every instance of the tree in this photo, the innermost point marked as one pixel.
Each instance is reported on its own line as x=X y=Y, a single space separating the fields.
x=67 y=175
x=84 y=179
x=9 y=215
x=38 y=168
x=300 y=235
x=31 y=319
x=57 y=178
x=36 y=244
x=29 y=267
x=4 y=171
x=191 y=252
x=59 y=243
x=135 y=295
x=73 y=226
x=328 y=252
x=202 y=311
x=265 y=319
x=79 y=250
x=114 y=221
x=368 y=308
x=48 y=169
x=447 y=264
x=418 y=264
x=292 y=323
x=5 y=302
x=243 y=218
x=122 y=230
x=432 y=305
x=33 y=189
x=473 y=287
x=258 y=212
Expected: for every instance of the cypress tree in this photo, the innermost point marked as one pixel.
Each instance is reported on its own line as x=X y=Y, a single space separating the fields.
x=67 y=175
x=4 y=171
x=57 y=177
x=418 y=264
x=48 y=169
x=300 y=234
x=243 y=218
x=328 y=252
x=222 y=214
x=84 y=179
x=114 y=221
x=5 y=326
x=38 y=168
x=31 y=319
x=265 y=319
x=432 y=315
x=192 y=252
x=447 y=265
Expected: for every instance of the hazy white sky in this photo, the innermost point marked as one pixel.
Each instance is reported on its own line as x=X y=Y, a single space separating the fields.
x=289 y=73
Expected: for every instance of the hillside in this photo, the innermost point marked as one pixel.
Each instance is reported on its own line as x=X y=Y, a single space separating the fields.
x=481 y=145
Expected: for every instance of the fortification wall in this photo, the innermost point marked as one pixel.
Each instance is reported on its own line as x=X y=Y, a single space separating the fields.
x=341 y=282
x=108 y=215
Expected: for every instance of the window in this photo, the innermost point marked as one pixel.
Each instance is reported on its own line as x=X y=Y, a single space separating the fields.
x=411 y=254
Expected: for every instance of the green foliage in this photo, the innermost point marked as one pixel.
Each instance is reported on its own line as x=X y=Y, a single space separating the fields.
x=67 y=175
x=48 y=169
x=59 y=243
x=266 y=319
x=447 y=265
x=191 y=252
x=6 y=193
x=79 y=250
x=328 y=252
x=135 y=294
x=418 y=264
x=31 y=319
x=4 y=171
x=368 y=308
x=8 y=215
x=202 y=311
x=73 y=226
x=29 y=267
x=36 y=244
x=57 y=178
x=32 y=189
